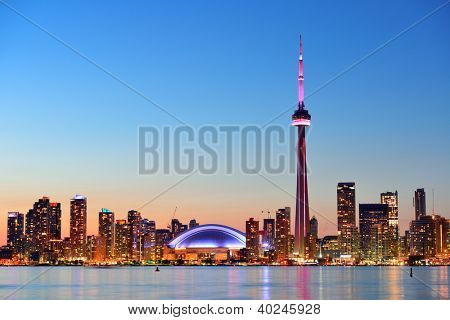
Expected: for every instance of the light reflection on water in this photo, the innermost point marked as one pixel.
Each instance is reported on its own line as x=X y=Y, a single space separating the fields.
x=226 y=283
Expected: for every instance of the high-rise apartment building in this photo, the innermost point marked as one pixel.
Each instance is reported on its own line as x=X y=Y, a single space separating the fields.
x=346 y=216
x=134 y=244
x=391 y=199
x=122 y=236
x=15 y=233
x=106 y=224
x=252 y=238
x=55 y=221
x=78 y=226
x=420 y=204
x=373 y=226
x=148 y=238
x=422 y=234
x=441 y=227
x=314 y=227
x=269 y=234
x=282 y=234
x=163 y=237
x=37 y=229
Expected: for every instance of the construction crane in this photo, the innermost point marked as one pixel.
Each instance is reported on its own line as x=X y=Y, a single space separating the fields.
x=169 y=226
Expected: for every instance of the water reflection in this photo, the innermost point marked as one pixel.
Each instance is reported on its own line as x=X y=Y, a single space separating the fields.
x=226 y=283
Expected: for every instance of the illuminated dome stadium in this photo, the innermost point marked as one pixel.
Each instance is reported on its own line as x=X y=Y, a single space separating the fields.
x=209 y=236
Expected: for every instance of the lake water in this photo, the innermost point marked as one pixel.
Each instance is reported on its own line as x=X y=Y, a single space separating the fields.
x=224 y=283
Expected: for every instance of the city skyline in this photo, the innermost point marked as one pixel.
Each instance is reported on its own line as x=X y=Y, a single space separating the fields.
x=104 y=165
x=93 y=227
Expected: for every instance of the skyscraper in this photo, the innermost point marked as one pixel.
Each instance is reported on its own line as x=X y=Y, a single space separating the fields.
x=346 y=203
x=193 y=223
x=106 y=230
x=311 y=239
x=420 y=204
x=283 y=231
x=373 y=225
x=391 y=199
x=163 y=237
x=301 y=119
x=314 y=227
x=78 y=225
x=148 y=238
x=55 y=221
x=15 y=233
x=134 y=244
x=422 y=232
x=177 y=227
x=122 y=235
x=252 y=238
x=441 y=227
x=38 y=229
x=269 y=233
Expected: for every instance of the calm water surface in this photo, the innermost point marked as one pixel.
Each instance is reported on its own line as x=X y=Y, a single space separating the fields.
x=224 y=283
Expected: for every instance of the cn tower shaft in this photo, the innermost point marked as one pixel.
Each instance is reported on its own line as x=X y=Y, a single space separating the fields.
x=302 y=227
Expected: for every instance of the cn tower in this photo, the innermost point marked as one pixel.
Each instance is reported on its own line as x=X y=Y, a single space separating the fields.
x=301 y=119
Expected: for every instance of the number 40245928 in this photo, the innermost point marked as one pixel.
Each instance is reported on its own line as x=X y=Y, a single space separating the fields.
x=291 y=308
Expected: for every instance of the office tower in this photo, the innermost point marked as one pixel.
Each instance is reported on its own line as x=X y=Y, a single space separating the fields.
x=252 y=238
x=301 y=119
x=134 y=244
x=391 y=199
x=37 y=229
x=122 y=235
x=420 y=204
x=148 y=238
x=311 y=239
x=106 y=230
x=163 y=236
x=329 y=248
x=346 y=216
x=15 y=233
x=441 y=230
x=283 y=231
x=423 y=237
x=269 y=234
x=193 y=223
x=373 y=226
x=176 y=227
x=55 y=221
x=78 y=226
x=314 y=226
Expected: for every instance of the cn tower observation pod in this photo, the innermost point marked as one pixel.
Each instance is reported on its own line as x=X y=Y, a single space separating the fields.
x=209 y=236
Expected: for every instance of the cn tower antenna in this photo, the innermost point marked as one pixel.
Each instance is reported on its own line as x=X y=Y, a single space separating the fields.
x=301 y=78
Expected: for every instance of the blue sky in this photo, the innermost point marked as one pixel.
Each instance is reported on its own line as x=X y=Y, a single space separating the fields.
x=68 y=128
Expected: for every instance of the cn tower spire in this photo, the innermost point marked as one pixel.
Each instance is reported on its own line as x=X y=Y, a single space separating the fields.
x=301 y=94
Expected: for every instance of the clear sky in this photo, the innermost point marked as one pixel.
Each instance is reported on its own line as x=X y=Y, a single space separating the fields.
x=66 y=127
